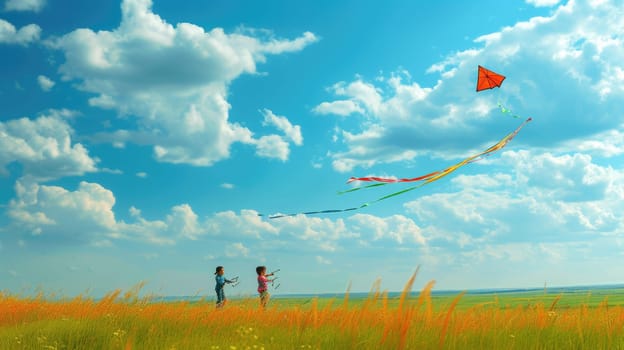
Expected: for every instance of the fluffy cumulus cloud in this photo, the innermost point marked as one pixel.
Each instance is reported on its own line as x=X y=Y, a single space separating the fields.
x=276 y=146
x=237 y=249
x=53 y=214
x=538 y=205
x=44 y=147
x=86 y=215
x=24 y=5
x=544 y=199
x=579 y=46
x=341 y=107
x=180 y=223
x=45 y=83
x=174 y=80
x=396 y=227
x=543 y=3
x=23 y=36
x=291 y=132
x=56 y=214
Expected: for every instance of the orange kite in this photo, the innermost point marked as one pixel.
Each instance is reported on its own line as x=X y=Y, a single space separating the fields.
x=488 y=79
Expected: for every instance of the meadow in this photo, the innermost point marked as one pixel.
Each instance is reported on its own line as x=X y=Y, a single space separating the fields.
x=523 y=320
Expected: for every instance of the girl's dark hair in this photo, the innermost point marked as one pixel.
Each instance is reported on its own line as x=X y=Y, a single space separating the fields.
x=219 y=268
x=259 y=269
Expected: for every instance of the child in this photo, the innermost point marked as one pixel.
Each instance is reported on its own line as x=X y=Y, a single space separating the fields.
x=262 y=285
x=221 y=281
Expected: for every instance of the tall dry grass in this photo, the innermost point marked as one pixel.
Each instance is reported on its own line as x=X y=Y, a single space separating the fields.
x=125 y=321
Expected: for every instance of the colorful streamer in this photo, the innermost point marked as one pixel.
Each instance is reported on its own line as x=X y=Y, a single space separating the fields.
x=426 y=179
x=507 y=111
x=440 y=173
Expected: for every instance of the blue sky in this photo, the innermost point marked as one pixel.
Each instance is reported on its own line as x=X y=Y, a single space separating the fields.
x=140 y=140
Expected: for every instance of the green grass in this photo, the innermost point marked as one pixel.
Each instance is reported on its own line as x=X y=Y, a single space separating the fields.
x=591 y=298
x=526 y=320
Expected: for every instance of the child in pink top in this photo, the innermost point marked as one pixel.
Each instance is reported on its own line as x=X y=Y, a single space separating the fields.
x=262 y=285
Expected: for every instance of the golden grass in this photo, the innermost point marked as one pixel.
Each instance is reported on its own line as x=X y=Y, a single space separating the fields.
x=125 y=321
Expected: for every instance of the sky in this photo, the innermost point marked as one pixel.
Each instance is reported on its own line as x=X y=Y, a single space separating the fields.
x=149 y=141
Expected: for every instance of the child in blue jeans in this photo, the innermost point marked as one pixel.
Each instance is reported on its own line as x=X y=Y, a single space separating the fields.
x=221 y=281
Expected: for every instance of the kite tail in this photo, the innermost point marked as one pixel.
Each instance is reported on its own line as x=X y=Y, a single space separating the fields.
x=429 y=178
x=363 y=187
x=391 y=180
x=436 y=175
x=329 y=211
x=508 y=111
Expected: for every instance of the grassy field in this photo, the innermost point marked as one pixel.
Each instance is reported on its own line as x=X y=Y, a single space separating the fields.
x=532 y=320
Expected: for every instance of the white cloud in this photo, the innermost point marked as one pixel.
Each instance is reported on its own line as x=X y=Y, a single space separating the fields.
x=322 y=260
x=608 y=143
x=227 y=186
x=45 y=83
x=184 y=221
x=489 y=181
x=342 y=108
x=292 y=132
x=185 y=79
x=397 y=227
x=579 y=46
x=24 y=5
x=321 y=233
x=246 y=224
x=24 y=36
x=85 y=216
x=569 y=177
x=538 y=197
x=272 y=146
x=53 y=212
x=63 y=113
x=543 y=3
x=236 y=249
x=180 y=223
x=276 y=146
x=44 y=148
x=543 y=198
x=141 y=174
